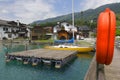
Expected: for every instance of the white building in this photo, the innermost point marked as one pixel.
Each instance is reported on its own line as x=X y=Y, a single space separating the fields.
x=10 y=30
x=67 y=27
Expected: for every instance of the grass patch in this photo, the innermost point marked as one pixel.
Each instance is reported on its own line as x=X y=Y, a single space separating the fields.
x=44 y=41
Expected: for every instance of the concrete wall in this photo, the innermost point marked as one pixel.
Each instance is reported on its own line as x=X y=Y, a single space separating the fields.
x=95 y=71
x=91 y=73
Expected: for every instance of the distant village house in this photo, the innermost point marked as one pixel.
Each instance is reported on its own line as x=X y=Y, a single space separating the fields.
x=83 y=31
x=64 y=31
x=39 y=32
x=12 y=30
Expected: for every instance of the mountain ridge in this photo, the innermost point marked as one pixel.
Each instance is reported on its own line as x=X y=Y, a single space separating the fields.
x=86 y=15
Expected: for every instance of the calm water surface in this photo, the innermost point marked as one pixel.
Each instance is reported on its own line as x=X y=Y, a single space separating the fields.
x=14 y=70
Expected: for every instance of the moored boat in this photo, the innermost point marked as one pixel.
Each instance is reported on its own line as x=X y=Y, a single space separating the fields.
x=71 y=47
x=63 y=38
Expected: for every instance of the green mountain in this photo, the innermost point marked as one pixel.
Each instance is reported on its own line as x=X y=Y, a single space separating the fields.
x=85 y=16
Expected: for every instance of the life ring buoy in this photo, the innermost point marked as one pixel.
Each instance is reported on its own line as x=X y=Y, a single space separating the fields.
x=105 y=37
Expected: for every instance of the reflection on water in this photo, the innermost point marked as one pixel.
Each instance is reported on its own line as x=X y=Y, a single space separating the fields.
x=85 y=55
x=75 y=70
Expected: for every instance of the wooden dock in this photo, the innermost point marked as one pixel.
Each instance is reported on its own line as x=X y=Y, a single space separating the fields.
x=105 y=72
x=112 y=71
x=59 y=58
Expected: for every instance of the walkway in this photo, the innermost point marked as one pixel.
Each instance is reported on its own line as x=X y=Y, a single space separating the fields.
x=104 y=72
x=112 y=72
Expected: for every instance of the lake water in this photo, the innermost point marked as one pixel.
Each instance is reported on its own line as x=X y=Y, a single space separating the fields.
x=14 y=70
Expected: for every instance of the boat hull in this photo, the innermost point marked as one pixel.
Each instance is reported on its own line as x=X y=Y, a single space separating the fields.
x=79 y=49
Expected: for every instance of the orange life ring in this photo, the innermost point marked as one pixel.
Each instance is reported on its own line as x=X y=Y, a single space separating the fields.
x=105 y=37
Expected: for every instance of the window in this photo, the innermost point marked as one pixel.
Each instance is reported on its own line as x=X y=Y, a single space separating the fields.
x=5 y=29
x=67 y=24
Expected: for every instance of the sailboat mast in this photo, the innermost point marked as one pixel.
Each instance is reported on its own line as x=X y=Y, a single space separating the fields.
x=73 y=17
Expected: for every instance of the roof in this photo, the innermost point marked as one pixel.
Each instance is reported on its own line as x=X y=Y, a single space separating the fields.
x=67 y=27
x=62 y=31
x=83 y=28
x=4 y=23
x=10 y=23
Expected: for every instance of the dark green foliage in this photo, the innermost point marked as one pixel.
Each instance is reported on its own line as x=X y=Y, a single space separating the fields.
x=117 y=32
x=48 y=24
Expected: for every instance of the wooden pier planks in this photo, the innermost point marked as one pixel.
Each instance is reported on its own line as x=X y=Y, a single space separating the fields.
x=45 y=53
x=106 y=72
x=112 y=72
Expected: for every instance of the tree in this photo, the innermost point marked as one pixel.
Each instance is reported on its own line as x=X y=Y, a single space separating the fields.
x=117 y=32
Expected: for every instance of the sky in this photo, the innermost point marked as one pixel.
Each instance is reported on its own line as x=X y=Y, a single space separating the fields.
x=27 y=11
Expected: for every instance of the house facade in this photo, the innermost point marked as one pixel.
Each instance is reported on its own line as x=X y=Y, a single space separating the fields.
x=41 y=32
x=11 y=30
x=64 y=31
x=83 y=31
x=38 y=32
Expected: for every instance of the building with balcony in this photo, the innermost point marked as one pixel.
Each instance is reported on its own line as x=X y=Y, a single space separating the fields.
x=64 y=31
x=12 y=30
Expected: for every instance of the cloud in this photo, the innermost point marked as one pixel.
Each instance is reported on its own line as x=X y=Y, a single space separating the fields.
x=28 y=10
x=4 y=11
x=87 y=4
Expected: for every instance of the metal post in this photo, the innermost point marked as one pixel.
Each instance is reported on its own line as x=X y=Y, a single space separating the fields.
x=100 y=72
x=73 y=18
